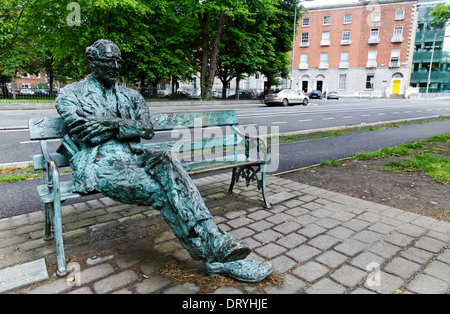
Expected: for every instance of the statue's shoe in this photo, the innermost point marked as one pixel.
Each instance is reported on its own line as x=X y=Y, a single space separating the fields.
x=246 y=270
x=226 y=249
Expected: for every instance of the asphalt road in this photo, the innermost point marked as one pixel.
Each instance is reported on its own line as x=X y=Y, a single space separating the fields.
x=20 y=197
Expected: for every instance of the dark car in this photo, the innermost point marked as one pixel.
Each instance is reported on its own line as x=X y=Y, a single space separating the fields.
x=41 y=92
x=178 y=95
x=246 y=94
x=315 y=94
x=333 y=95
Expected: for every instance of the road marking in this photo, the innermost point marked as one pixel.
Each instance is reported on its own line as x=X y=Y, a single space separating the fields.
x=281 y=122
x=347 y=117
x=396 y=112
x=328 y=119
x=381 y=114
x=365 y=115
x=408 y=111
x=307 y=120
x=31 y=142
x=419 y=110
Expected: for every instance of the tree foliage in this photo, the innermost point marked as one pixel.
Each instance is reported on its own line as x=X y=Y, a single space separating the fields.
x=159 y=39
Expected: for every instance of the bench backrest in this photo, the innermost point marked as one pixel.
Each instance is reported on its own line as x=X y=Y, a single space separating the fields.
x=55 y=128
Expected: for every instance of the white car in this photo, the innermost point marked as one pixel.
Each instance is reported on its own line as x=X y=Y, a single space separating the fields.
x=286 y=97
x=26 y=92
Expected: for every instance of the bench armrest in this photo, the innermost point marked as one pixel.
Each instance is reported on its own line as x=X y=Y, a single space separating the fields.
x=258 y=141
x=51 y=173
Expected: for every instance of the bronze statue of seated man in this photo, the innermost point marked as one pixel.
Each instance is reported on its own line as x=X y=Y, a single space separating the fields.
x=106 y=122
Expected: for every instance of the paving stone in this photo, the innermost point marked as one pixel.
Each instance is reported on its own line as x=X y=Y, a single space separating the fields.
x=366 y=258
x=350 y=247
x=115 y=282
x=411 y=230
x=271 y=250
x=445 y=256
x=267 y=236
x=289 y=285
x=340 y=233
x=367 y=236
x=439 y=270
x=303 y=253
x=227 y=290
x=153 y=284
x=399 y=239
x=425 y=284
x=280 y=197
x=283 y=264
x=356 y=224
x=94 y=273
x=326 y=286
x=287 y=227
x=417 y=255
x=184 y=288
x=384 y=249
x=310 y=271
x=323 y=242
x=387 y=285
x=332 y=259
x=260 y=225
x=402 y=267
x=311 y=231
x=348 y=276
x=292 y=240
x=430 y=244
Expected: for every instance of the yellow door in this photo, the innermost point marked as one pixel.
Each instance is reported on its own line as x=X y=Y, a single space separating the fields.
x=396 y=87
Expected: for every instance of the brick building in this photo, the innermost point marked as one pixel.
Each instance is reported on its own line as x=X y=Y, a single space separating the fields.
x=358 y=49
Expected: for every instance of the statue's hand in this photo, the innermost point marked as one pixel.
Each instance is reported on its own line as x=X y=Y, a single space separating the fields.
x=94 y=127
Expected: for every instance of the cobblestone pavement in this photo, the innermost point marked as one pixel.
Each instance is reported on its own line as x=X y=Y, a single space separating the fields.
x=318 y=241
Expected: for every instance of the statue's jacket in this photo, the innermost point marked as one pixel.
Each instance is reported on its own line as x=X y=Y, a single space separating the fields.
x=86 y=100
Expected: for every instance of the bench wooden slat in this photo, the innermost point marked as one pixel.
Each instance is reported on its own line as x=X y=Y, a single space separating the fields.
x=46 y=196
x=46 y=128
x=225 y=141
x=39 y=161
x=52 y=128
x=183 y=120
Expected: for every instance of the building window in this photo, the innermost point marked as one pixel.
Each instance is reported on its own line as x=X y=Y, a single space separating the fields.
x=348 y=19
x=303 y=61
x=305 y=40
x=346 y=38
x=342 y=81
x=398 y=35
x=323 y=60
x=25 y=75
x=374 y=39
x=369 y=81
x=325 y=39
x=395 y=58
x=344 y=60
x=399 y=15
x=305 y=22
x=327 y=20
x=372 y=59
x=376 y=16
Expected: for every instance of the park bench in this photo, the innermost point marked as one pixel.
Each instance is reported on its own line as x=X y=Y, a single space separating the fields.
x=235 y=149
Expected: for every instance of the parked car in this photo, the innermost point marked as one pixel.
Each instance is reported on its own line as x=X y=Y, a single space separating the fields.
x=333 y=95
x=217 y=94
x=245 y=95
x=26 y=91
x=41 y=92
x=315 y=94
x=286 y=97
x=178 y=95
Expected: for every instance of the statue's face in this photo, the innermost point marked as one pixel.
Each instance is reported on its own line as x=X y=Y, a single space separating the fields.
x=106 y=67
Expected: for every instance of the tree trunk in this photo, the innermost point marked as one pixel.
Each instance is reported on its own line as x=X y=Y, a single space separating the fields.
x=209 y=59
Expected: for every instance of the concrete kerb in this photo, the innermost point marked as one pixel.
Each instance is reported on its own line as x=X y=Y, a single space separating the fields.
x=318 y=241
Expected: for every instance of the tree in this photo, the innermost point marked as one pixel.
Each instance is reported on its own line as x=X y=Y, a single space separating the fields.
x=441 y=14
x=243 y=49
x=279 y=43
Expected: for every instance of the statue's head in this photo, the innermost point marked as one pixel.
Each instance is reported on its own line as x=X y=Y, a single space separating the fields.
x=106 y=61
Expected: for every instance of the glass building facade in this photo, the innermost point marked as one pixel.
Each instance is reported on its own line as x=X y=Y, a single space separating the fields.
x=431 y=50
